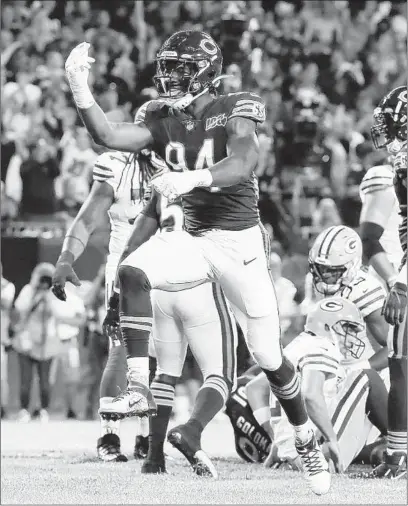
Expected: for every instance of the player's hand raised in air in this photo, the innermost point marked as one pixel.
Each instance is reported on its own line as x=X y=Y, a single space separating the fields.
x=63 y=272
x=396 y=304
x=78 y=64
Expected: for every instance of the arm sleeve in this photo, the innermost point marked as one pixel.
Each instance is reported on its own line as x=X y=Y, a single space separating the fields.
x=370 y=236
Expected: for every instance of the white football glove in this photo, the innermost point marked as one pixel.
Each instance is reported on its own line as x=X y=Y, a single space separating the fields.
x=173 y=184
x=77 y=70
x=78 y=64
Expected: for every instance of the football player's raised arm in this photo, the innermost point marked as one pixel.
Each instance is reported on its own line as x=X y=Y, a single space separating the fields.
x=313 y=392
x=119 y=136
x=242 y=149
x=375 y=213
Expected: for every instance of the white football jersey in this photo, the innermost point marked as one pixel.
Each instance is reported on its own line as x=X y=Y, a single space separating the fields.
x=121 y=172
x=375 y=181
x=366 y=292
x=318 y=353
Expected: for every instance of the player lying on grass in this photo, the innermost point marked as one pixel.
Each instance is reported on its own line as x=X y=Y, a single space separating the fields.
x=252 y=424
x=343 y=404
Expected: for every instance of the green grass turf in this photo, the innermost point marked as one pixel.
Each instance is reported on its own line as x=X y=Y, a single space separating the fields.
x=56 y=464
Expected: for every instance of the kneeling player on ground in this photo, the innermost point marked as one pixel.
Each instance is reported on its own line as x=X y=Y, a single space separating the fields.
x=344 y=405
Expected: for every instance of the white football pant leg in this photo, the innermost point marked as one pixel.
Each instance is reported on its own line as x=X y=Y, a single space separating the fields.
x=172 y=261
x=211 y=332
x=348 y=415
x=170 y=344
x=240 y=265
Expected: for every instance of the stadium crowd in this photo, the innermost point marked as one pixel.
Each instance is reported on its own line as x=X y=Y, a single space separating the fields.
x=319 y=66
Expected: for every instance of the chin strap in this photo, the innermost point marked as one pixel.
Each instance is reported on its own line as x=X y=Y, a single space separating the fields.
x=183 y=102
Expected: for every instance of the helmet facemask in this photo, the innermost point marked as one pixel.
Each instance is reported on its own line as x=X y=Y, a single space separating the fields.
x=386 y=133
x=347 y=334
x=329 y=279
x=178 y=77
x=326 y=278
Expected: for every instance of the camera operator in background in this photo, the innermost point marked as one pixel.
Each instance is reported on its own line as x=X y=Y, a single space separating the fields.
x=7 y=296
x=37 y=340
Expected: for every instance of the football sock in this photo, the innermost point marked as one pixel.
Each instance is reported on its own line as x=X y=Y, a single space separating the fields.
x=112 y=383
x=114 y=375
x=376 y=404
x=211 y=398
x=135 y=320
x=285 y=384
x=397 y=406
x=162 y=387
x=152 y=368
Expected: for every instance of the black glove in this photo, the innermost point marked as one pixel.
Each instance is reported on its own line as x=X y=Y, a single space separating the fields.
x=110 y=324
x=396 y=304
x=63 y=272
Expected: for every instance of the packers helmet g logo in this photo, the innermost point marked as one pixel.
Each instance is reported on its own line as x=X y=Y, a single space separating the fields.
x=351 y=245
x=331 y=305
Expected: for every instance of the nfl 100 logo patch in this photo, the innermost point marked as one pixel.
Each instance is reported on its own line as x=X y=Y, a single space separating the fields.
x=216 y=121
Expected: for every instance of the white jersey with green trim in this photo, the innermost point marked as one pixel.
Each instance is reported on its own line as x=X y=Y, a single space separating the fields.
x=375 y=182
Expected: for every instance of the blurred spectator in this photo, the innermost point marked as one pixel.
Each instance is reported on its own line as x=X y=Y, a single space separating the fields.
x=67 y=363
x=7 y=298
x=326 y=215
x=37 y=337
x=38 y=173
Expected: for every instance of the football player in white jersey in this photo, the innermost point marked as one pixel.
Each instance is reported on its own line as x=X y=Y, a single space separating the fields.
x=116 y=190
x=343 y=406
x=390 y=131
x=379 y=223
x=210 y=331
x=198 y=317
x=335 y=262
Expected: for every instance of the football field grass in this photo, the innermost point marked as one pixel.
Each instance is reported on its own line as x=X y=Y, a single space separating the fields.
x=56 y=464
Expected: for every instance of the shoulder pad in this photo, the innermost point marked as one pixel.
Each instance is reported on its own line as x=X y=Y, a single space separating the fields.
x=109 y=165
x=377 y=178
x=367 y=293
x=246 y=105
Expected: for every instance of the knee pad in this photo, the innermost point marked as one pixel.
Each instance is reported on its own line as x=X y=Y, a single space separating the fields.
x=132 y=279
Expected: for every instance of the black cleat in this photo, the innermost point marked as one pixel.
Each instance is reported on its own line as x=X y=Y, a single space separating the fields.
x=108 y=448
x=394 y=467
x=141 y=447
x=184 y=440
x=156 y=466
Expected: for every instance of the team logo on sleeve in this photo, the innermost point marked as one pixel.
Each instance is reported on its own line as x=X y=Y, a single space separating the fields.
x=216 y=121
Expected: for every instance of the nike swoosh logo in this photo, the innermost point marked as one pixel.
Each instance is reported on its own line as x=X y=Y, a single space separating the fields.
x=246 y=262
